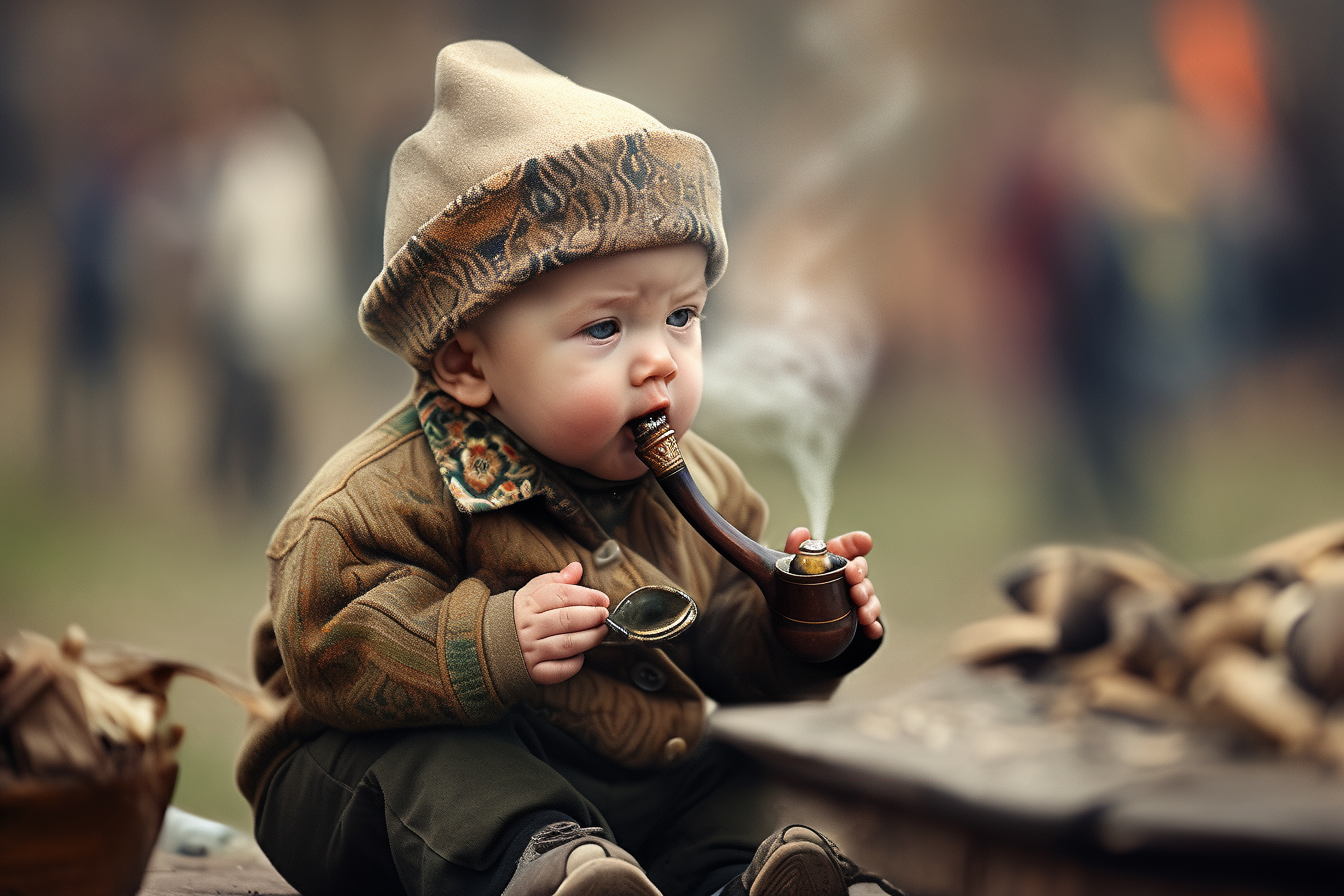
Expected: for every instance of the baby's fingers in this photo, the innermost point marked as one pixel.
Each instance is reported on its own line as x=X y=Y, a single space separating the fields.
x=570 y=575
x=571 y=618
x=566 y=644
x=869 y=608
x=863 y=594
x=796 y=539
x=556 y=671
x=546 y=591
x=856 y=570
x=851 y=545
x=568 y=596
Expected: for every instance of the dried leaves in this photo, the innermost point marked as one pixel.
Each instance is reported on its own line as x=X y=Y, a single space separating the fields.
x=90 y=712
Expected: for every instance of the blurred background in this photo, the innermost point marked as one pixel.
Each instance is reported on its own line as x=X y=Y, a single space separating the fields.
x=1002 y=274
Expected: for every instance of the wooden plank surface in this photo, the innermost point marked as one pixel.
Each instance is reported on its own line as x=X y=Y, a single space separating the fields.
x=975 y=783
x=982 y=768
x=243 y=872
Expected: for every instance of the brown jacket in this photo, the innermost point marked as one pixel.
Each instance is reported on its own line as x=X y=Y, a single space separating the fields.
x=391 y=599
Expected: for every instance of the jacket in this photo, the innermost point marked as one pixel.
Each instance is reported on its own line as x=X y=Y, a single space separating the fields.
x=391 y=595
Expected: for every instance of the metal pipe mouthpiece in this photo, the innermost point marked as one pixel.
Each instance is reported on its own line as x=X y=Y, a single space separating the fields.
x=656 y=444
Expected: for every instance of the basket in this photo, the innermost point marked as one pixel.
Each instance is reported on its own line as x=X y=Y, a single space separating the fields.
x=82 y=838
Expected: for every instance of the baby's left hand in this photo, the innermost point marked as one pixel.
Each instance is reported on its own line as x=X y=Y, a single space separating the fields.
x=852 y=547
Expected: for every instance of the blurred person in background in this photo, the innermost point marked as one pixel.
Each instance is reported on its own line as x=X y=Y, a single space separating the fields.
x=1066 y=281
x=1214 y=55
x=1140 y=233
x=270 y=280
x=87 y=401
x=1274 y=163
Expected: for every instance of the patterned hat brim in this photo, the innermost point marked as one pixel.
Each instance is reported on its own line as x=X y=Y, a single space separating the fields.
x=612 y=194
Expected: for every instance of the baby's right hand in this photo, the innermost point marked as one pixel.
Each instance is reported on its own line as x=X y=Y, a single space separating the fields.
x=558 y=619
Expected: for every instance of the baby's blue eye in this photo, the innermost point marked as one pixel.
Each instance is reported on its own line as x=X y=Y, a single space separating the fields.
x=682 y=317
x=603 y=329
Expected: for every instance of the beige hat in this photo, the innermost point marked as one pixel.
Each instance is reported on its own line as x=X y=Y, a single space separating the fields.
x=518 y=171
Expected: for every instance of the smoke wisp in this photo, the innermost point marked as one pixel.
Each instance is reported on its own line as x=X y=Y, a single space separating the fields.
x=794 y=386
x=788 y=372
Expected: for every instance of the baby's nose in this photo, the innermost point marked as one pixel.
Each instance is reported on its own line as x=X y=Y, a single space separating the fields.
x=654 y=361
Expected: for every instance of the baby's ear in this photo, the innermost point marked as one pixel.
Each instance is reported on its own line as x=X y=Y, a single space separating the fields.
x=457 y=373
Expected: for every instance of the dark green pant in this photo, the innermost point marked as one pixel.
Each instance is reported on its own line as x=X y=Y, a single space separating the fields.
x=448 y=810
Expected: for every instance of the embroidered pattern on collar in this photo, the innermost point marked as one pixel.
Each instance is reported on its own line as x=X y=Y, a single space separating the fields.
x=484 y=465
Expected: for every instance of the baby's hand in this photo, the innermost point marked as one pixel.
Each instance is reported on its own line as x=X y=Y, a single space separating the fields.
x=558 y=619
x=852 y=547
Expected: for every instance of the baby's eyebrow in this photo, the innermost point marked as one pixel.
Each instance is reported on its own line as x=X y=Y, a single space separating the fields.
x=615 y=298
x=592 y=307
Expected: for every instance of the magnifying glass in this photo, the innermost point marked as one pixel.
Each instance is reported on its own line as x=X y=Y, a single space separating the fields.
x=653 y=613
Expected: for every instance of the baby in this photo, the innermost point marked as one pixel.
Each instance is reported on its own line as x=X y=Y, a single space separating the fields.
x=454 y=722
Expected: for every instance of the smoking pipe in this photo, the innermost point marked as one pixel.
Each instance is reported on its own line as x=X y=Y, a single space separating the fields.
x=808 y=596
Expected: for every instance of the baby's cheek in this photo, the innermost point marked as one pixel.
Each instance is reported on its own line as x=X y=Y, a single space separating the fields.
x=581 y=423
x=594 y=413
x=686 y=390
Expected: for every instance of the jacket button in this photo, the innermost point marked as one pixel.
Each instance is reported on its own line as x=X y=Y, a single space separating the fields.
x=607 y=553
x=648 y=677
x=674 y=749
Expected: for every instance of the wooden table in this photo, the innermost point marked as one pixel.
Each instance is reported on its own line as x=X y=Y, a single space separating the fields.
x=979 y=782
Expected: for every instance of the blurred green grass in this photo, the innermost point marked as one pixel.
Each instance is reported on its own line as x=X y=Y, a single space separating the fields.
x=948 y=492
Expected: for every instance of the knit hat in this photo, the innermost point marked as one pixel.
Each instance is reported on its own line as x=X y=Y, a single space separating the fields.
x=518 y=171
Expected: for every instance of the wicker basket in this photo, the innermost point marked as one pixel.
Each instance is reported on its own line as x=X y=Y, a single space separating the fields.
x=87 y=762
x=67 y=837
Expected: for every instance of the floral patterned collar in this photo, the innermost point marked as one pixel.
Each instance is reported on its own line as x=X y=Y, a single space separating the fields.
x=485 y=466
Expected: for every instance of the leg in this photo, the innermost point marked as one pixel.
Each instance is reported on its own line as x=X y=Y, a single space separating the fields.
x=417 y=811
x=693 y=827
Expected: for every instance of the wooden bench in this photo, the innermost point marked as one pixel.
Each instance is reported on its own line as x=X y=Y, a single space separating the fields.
x=979 y=783
x=237 y=873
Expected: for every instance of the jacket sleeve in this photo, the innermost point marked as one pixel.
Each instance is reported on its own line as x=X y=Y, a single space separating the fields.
x=732 y=649
x=379 y=628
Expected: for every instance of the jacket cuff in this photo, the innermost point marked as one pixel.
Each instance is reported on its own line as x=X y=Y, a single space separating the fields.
x=503 y=653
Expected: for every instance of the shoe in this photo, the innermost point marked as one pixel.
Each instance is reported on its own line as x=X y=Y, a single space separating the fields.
x=563 y=859
x=799 y=861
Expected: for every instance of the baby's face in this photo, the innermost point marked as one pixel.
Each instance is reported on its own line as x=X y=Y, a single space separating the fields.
x=573 y=355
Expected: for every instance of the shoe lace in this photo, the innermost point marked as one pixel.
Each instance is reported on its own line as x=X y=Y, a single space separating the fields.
x=555 y=834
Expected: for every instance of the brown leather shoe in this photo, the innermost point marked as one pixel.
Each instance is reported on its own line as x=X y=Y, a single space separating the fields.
x=563 y=859
x=799 y=861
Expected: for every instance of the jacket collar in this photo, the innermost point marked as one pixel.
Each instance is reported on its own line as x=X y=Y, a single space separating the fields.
x=487 y=467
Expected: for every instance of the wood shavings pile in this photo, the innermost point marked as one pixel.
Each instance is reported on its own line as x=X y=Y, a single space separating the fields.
x=1132 y=634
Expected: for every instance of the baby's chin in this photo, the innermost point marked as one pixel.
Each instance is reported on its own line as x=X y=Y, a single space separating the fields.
x=618 y=464
x=623 y=470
